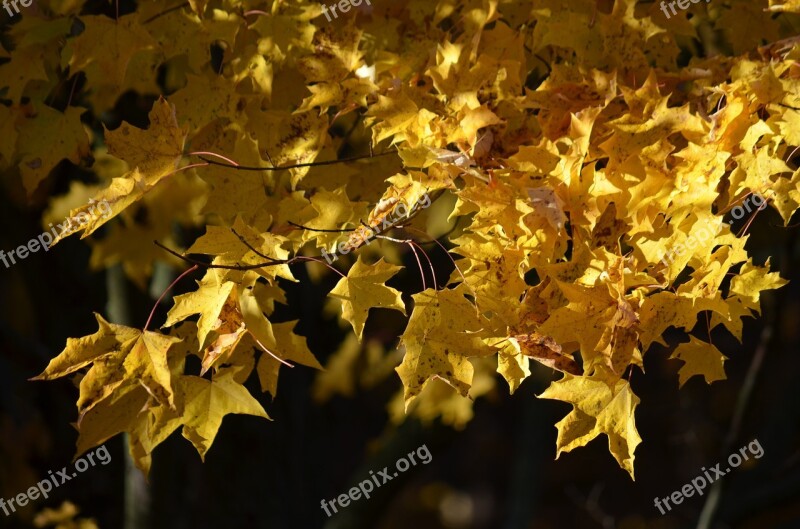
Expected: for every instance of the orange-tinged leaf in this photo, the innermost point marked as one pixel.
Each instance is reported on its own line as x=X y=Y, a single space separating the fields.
x=546 y=351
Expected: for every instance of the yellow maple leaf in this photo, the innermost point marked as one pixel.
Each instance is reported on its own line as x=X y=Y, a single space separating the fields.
x=439 y=341
x=512 y=365
x=155 y=151
x=115 y=414
x=597 y=409
x=105 y=47
x=46 y=139
x=152 y=155
x=206 y=402
x=291 y=346
x=752 y=280
x=118 y=354
x=27 y=65
x=80 y=352
x=364 y=288
x=699 y=358
x=207 y=301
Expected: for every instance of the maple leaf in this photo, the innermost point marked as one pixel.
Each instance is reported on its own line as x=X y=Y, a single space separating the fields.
x=752 y=280
x=512 y=365
x=438 y=401
x=597 y=409
x=363 y=289
x=30 y=68
x=153 y=155
x=114 y=415
x=546 y=351
x=206 y=402
x=208 y=301
x=80 y=352
x=700 y=358
x=229 y=332
x=227 y=245
x=61 y=133
x=105 y=47
x=118 y=354
x=154 y=151
x=439 y=341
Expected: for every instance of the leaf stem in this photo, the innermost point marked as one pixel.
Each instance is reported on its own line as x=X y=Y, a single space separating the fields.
x=208 y=153
x=273 y=355
x=161 y=297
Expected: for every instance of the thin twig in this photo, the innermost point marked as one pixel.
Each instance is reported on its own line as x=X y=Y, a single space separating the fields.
x=419 y=263
x=433 y=272
x=319 y=230
x=166 y=12
x=161 y=297
x=267 y=257
x=297 y=165
x=317 y=260
x=244 y=268
x=241 y=268
x=447 y=253
x=72 y=92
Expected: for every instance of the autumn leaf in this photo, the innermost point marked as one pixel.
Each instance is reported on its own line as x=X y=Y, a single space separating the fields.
x=699 y=358
x=597 y=409
x=439 y=341
x=207 y=402
x=117 y=354
x=364 y=288
x=207 y=301
x=152 y=154
x=106 y=46
x=155 y=151
x=64 y=136
x=546 y=351
x=752 y=280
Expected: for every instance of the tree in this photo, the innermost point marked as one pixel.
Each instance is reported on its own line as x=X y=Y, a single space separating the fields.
x=583 y=165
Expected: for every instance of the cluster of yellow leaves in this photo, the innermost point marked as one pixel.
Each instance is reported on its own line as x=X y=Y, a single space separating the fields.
x=577 y=150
